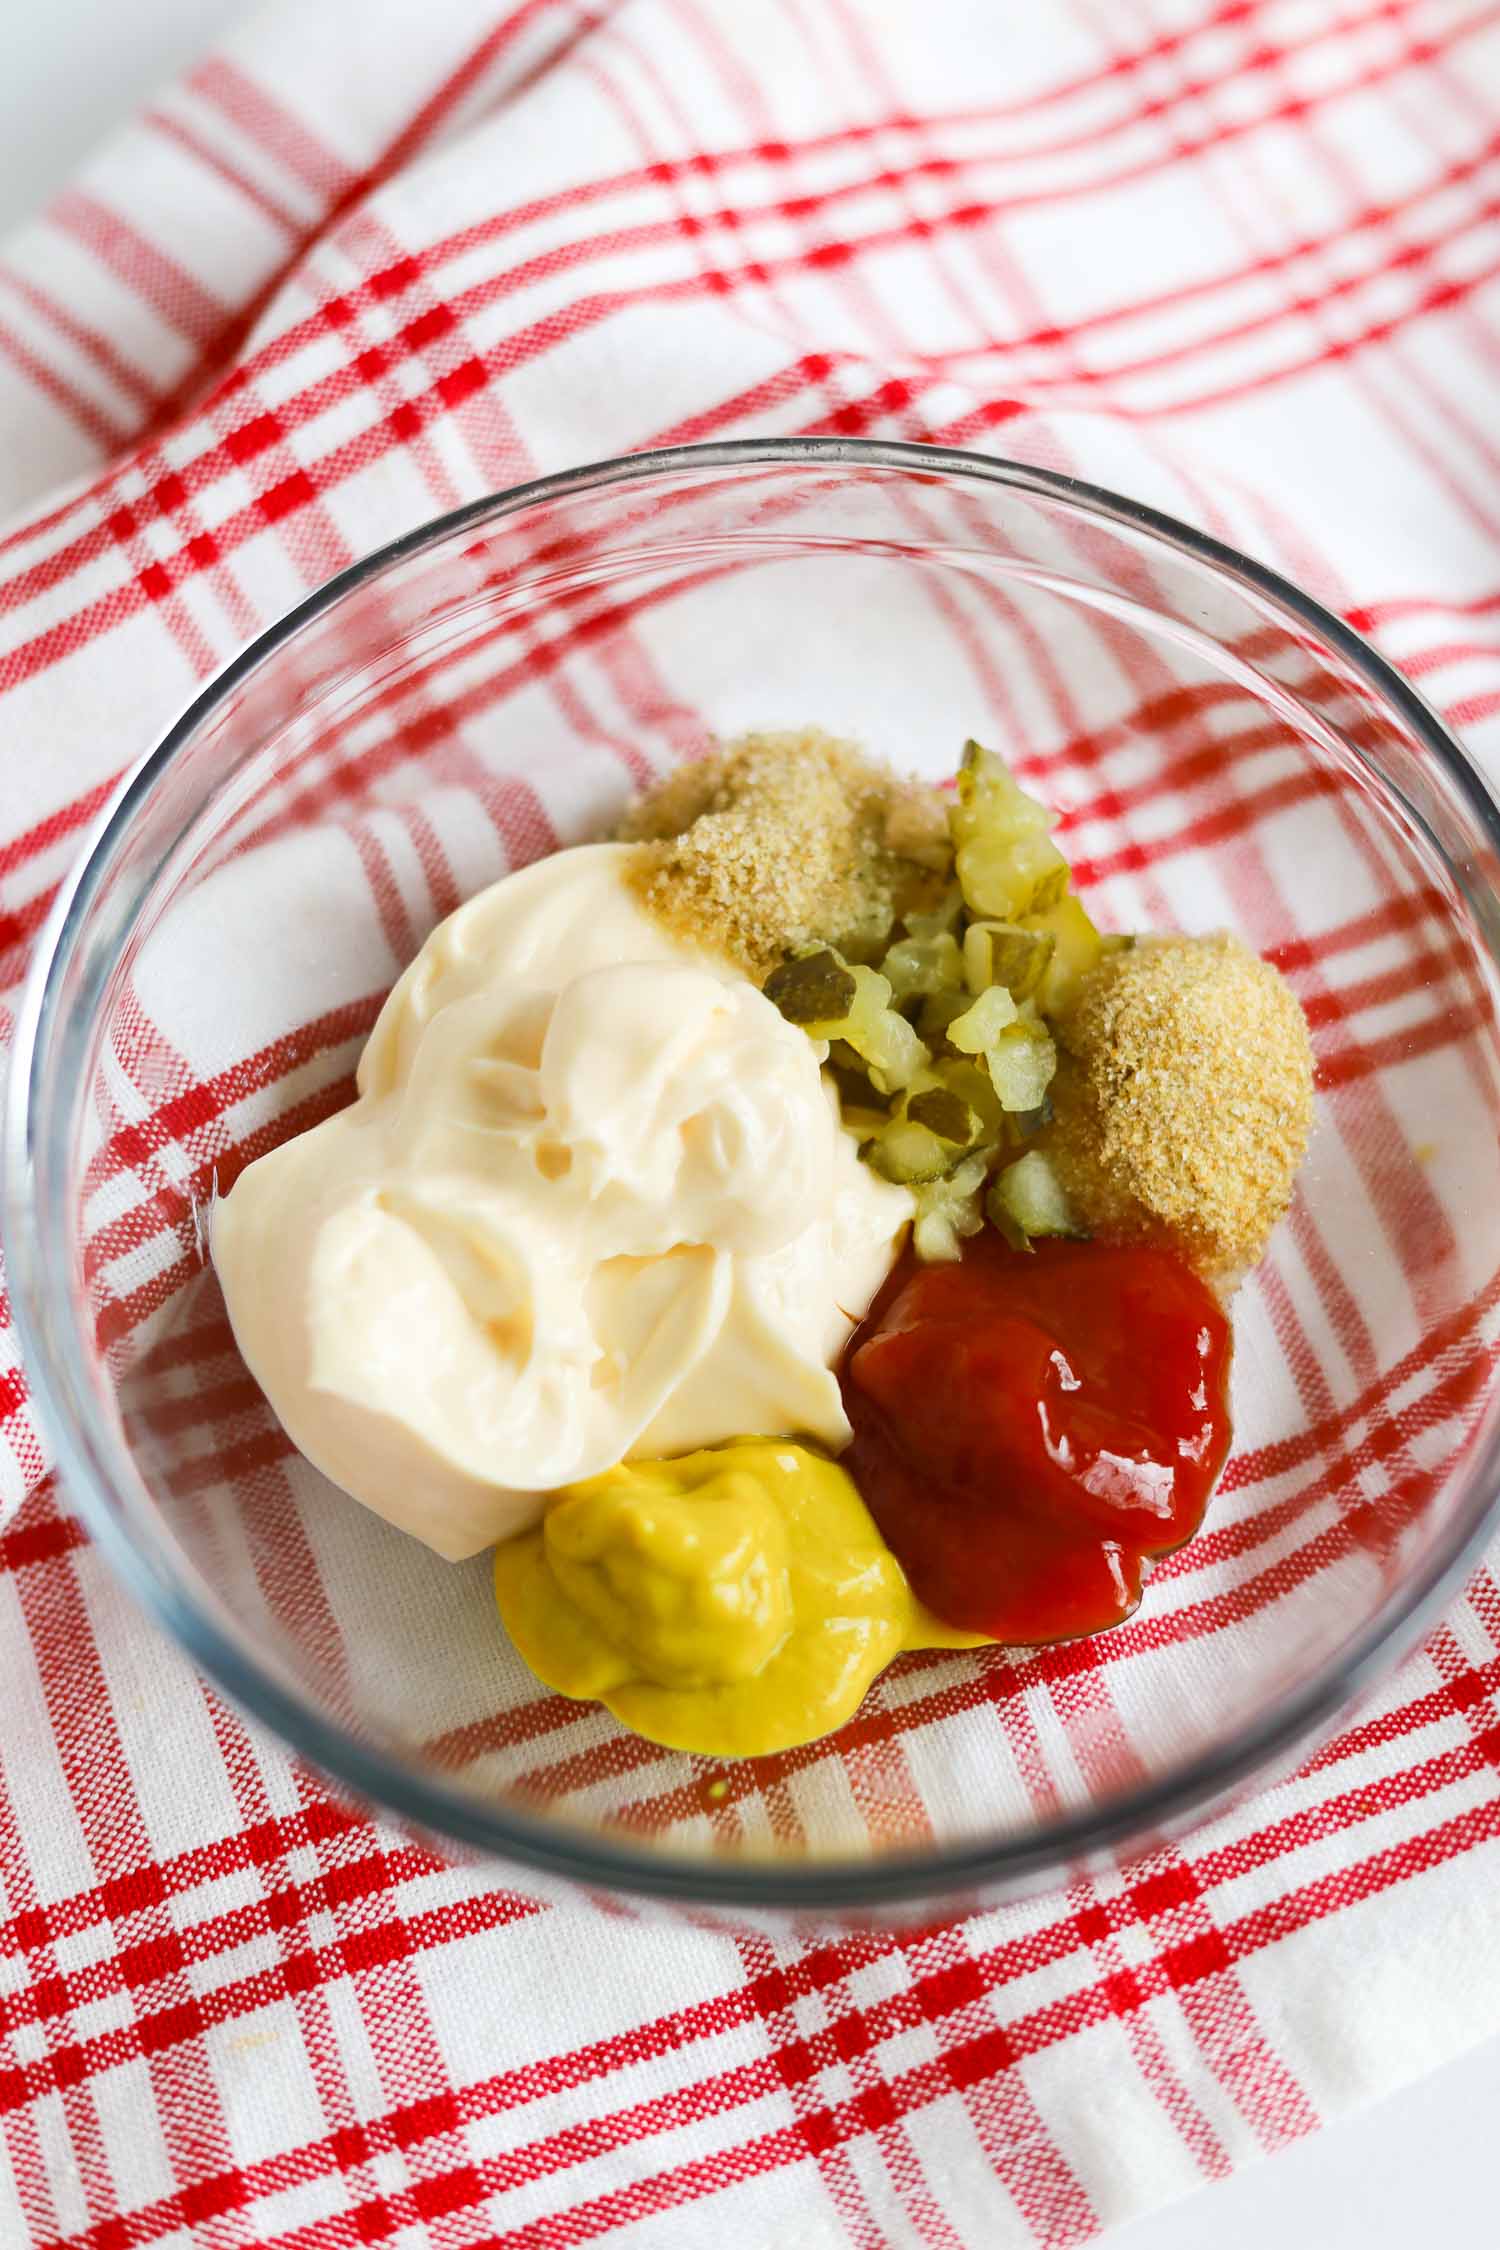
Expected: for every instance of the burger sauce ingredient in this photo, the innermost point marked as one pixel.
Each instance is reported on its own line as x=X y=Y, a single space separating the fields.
x=1030 y=1426
x=734 y=1602
x=594 y=1200
x=1184 y=1100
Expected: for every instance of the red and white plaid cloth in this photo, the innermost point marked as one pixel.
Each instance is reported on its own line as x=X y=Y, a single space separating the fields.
x=1238 y=257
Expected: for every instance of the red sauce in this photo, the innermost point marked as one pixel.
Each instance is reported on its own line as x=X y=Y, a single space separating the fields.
x=1028 y=1427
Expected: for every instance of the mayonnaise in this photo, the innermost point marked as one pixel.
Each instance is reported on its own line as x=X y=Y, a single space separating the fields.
x=593 y=1203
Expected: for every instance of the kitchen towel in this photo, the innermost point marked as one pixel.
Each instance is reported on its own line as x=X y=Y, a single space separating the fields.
x=1239 y=258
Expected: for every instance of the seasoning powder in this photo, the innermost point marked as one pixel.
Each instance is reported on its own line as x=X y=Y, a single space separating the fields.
x=1183 y=1099
x=781 y=840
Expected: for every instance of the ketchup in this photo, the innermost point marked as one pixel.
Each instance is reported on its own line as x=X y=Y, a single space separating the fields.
x=1028 y=1426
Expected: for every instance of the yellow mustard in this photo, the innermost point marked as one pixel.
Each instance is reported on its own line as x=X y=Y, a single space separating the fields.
x=733 y=1602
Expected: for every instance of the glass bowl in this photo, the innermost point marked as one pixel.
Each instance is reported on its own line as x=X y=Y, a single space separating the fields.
x=1223 y=753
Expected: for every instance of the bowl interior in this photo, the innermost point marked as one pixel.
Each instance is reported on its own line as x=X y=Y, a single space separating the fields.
x=484 y=699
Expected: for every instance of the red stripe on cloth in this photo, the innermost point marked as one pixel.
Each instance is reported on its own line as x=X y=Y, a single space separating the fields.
x=27 y=658
x=468 y=73
x=781 y=153
x=83 y=335
x=100 y=1786
x=1470 y=710
x=1414 y=429
x=1438 y=657
x=722 y=279
x=838 y=2056
x=23 y=2138
x=170 y=291
x=267 y=1843
x=205 y=1102
x=214 y=160
x=981 y=2055
x=79 y=409
x=25 y=1545
x=18 y=929
x=525 y=2087
x=1368 y=617
x=273 y=125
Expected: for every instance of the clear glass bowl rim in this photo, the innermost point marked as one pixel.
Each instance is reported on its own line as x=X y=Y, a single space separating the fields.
x=97 y=1474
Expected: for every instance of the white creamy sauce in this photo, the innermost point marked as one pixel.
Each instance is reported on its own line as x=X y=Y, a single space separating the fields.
x=593 y=1202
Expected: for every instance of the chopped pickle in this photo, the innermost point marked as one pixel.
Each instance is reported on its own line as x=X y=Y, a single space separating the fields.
x=1028 y=1121
x=980 y=1026
x=816 y=988
x=919 y=967
x=1041 y=878
x=942 y=1055
x=991 y=802
x=1007 y=864
x=938 y=1011
x=1021 y=1064
x=845 y=1064
x=1003 y=953
x=942 y=920
x=906 y=1151
x=948 y=1210
x=945 y=1113
x=972 y=1084
x=1027 y=1199
x=882 y=1039
x=1076 y=946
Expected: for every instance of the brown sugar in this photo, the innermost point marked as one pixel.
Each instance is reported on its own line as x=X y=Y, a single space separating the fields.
x=780 y=840
x=1183 y=1099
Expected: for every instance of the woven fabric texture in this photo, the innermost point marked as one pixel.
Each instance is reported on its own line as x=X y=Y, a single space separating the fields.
x=1241 y=261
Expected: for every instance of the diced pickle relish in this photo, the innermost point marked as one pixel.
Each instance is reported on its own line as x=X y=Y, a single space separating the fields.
x=945 y=1113
x=941 y=1051
x=814 y=988
x=1027 y=1201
